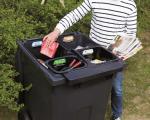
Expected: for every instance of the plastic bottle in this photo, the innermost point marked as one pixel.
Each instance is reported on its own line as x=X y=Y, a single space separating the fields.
x=37 y=44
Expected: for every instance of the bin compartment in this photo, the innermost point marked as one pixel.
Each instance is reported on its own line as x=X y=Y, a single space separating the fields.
x=35 y=51
x=97 y=54
x=65 y=64
x=75 y=41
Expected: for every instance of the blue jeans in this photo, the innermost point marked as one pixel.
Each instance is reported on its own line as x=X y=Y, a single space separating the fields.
x=116 y=95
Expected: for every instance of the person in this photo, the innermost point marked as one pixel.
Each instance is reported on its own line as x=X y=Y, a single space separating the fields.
x=109 y=18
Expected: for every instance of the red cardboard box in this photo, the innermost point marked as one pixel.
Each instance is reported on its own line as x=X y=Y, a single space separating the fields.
x=49 y=50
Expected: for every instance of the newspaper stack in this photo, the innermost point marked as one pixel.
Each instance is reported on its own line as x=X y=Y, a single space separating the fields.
x=126 y=46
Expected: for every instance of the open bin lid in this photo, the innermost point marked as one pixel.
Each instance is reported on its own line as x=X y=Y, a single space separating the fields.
x=94 y=72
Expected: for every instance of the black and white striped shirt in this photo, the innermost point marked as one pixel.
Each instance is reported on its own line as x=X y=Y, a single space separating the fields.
x=109 y=18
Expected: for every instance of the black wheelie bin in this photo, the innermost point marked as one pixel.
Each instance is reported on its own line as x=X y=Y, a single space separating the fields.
x=61 y=92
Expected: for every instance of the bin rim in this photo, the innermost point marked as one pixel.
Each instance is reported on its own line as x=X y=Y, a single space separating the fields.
x=53 y=82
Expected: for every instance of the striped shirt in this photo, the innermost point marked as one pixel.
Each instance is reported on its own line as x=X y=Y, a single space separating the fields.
x=109 y=18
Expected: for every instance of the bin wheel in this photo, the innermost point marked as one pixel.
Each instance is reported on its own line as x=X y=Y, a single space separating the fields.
x=23 y=115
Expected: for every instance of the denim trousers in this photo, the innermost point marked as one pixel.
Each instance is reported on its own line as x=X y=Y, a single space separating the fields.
x=116 y=95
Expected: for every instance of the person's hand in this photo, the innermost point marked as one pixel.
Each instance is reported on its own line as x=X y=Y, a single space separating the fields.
x=51 y=37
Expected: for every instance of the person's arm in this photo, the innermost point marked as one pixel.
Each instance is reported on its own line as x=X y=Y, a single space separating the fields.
x=68 y=20
x=74 y=16
x=131 y=23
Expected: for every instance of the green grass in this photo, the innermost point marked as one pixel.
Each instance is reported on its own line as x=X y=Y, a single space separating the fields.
x=143 y=15
x=137 y=82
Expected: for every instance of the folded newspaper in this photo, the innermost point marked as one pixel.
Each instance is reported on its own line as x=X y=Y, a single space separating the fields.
x=125 y=46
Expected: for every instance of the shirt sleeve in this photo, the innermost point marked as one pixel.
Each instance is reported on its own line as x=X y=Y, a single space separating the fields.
x=74 y=16
x=131 y=23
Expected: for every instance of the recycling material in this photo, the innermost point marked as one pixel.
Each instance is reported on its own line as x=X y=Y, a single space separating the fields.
x=125 y=46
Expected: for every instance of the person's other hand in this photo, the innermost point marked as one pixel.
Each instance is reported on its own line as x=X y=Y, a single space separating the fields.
x=51 y=37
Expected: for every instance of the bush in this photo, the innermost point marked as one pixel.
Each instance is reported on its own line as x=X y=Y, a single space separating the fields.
x=9 y=89
x=143 y=15
x=14 y=27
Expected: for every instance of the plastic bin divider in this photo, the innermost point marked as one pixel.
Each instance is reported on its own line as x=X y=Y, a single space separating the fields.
x=59 y=69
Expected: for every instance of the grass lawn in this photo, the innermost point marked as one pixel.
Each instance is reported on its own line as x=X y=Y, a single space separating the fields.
x=136 y=86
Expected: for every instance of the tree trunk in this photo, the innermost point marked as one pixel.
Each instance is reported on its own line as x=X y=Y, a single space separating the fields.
x=43 y=2
x=62 y=2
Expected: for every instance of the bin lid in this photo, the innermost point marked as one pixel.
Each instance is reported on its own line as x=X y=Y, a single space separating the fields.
x=93 y=72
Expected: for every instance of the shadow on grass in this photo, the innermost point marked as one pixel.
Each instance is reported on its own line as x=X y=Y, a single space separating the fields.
x=6 y=114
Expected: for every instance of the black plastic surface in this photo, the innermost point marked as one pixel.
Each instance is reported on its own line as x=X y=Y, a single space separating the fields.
x=79 y=94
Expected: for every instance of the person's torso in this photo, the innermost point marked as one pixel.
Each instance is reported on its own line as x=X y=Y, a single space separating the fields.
x=108 y=20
